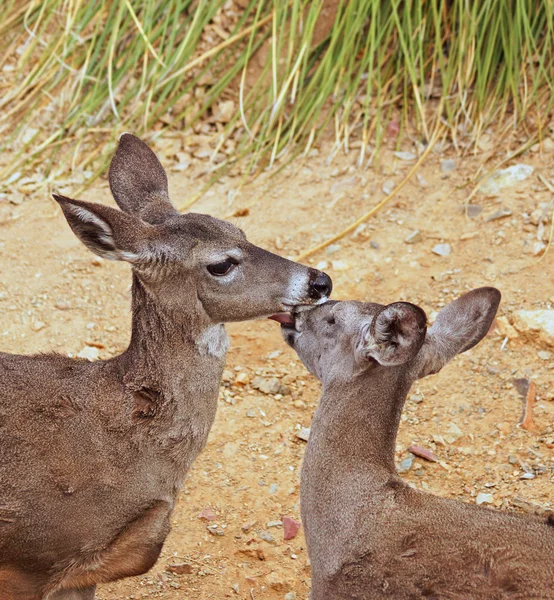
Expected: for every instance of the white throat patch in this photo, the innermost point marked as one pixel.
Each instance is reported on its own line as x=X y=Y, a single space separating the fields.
x=213 y=341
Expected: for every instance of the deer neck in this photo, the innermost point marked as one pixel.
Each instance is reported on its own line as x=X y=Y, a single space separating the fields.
x=169 y=344
x=359 y=420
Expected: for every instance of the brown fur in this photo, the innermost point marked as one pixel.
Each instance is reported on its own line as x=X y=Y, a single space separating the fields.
x=92 y=455
x=369 y=535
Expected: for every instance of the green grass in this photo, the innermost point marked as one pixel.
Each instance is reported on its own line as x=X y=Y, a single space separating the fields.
x=76 y=74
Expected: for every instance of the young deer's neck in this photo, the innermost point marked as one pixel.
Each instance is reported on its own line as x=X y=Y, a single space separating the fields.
x=360 y=418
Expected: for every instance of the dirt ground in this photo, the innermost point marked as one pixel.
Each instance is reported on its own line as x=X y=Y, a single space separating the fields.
x=55 y=296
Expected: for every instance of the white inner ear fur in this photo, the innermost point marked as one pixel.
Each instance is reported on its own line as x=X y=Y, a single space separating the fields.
x=105 y=235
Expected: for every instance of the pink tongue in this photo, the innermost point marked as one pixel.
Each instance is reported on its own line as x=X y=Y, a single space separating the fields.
x=283 y=318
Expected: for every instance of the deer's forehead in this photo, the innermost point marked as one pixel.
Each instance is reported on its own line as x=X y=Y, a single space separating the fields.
x=354 y=313
x=198 y=228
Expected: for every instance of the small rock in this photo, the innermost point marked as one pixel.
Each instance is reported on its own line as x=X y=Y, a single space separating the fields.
x=247 y=526
x=273 y=488
x=89 y=353
x=228 y=375
x=417 y=398
x=274 y=523
x=225 y=111
x=303 y=433
x=548 y=145
x=180 y=568
x=290 y=528
x=442 y=250
x=97 y=261
x=539 y=322
x=374 y=245
x=266 y=537
x=423 y=453
x=448 y=165
x=505 y=328
x=453 y=433
x=340 y=265
x=322 y=265
x=393 y=128
x=332 y=248
x=544 y=354
x=473 y=210
x=207 y=514
x=388 y=187
x=505 y=178
x=215 y=530
x=538 y=248
x=499 y=214
x=406 y=464
x=528 y=476
x=484 y=498
x=405 y=155
x=242 y=378
x=266 y=385
x=421 y=180
x=38 y=326
x=413 y=237
x=290 y=596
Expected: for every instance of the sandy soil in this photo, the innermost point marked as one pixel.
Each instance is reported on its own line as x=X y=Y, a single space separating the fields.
x=55 y=296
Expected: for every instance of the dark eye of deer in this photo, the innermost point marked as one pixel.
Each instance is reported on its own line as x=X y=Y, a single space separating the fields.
x=222 y=268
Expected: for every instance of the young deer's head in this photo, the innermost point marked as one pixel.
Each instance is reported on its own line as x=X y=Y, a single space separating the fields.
x=341 y=340
x=193 y=261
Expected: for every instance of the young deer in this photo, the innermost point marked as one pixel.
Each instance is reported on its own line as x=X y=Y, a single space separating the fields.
x=369 y=534
x=92 y=455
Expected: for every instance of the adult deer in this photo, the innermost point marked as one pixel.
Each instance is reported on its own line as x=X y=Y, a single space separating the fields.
x=92 y=455
x=369 y=535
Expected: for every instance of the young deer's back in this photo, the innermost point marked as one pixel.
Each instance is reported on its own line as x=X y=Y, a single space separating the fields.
x=369 y=534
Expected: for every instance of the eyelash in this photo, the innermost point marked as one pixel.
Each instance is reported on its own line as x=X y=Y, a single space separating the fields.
x=222 y=268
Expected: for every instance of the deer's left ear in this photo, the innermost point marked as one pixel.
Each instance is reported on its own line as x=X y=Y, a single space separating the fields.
x=395 y=335
x=458 y=327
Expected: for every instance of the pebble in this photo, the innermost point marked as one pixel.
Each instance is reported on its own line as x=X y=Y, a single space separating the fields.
x=548 y=145
x=273 y=488
x=290 y=596
x=374 y=245
x=274 y=523
x=180 y=568
x=528 y=476
x=539 y=322
x=413 y=237
x=442 y=250
x=484 y=498
x=340 y=265
x=38 y=325
x=89 y=353
x=544 y=354
x=388 y=187
x=215 y=530
x=406 y=464
x=505 y=328
x=332 y=248
x=290 y=528
x=453 y=433
x=208 y=515
x=303 y=433
x=322 y=265
x=267 y=385
x=423 y=453
x=266 y=537
x=505 y=178
x=242 y=378
x=405 y=155
x=473 y=210
x=448 y=165
x=421 y=180
x=499 y=214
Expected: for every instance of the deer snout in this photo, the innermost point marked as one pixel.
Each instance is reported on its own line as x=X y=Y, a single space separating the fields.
x=320 y=285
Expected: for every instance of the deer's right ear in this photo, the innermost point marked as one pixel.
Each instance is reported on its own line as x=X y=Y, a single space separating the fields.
x=138 y=181
x=106 y=231
x=395 y=335
x=458 y=327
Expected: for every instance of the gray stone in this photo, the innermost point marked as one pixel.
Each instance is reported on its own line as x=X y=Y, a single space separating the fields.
x=499 y=214
x=442 y=250
x=413 y=237
x=266 y=537
x=473 y=210
x=538 y=322
x=505 y=178
x=448 y=165
x=406 y=464
x=267 y=385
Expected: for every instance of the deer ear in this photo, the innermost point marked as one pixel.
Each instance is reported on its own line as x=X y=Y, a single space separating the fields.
x=458 y=327
x=106 y=231
x=138 y=181
x=395 y=335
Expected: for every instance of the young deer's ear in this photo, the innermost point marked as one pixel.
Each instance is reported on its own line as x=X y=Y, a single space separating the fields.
x=457 y=328
x=395 y=335
x=106 y=231
x=138 y=181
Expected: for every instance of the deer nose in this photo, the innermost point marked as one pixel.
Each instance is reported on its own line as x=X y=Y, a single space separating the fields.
x=320 y=285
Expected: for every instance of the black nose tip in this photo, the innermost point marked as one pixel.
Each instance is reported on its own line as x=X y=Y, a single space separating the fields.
x=320 y=285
